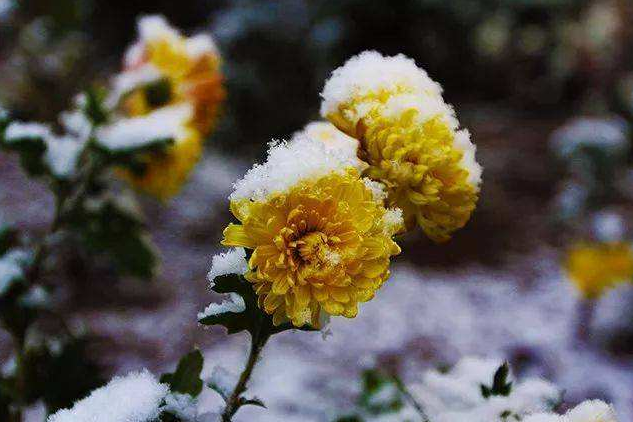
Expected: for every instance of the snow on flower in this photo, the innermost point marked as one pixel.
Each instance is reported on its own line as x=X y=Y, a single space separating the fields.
x=136 y=397
x=318 y=234
x=409 y=137
x=289 y=163
x=163 y=71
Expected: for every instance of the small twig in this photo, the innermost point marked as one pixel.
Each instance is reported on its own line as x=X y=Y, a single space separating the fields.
x=409 y=398
x=584 y=317
x=235 y=400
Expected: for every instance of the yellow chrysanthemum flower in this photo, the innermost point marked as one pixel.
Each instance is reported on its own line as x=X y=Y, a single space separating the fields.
x=595 y=267
x=323 y=245
x=164 y=70
x=181 y=70
x=409 y=138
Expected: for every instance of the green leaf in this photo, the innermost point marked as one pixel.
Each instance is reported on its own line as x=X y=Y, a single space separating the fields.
x=252 y=402
x=31 y=152
x=380 y=393
x=94 y=106
x=251 y=318
x=108 y=227
x=72 y=373
x=186 y=379
x=500 y=384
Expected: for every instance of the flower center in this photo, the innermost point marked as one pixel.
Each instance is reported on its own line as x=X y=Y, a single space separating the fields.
x=313 y=248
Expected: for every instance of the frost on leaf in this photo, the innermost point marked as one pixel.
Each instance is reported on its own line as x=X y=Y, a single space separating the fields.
x=240 y=315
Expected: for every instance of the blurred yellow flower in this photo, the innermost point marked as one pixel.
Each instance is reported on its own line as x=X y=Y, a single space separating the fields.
x=164 y=172
x=319 y=248
x=164 y=69
x=409 y=138
x=595 y=267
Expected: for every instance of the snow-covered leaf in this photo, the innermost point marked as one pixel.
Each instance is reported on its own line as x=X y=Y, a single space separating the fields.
x=29 y=141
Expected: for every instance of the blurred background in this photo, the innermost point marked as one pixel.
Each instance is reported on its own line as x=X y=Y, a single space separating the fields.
x=545 y=87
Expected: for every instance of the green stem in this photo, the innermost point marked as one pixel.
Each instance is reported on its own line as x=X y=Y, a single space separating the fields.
x=235 y=400
x=409 y=398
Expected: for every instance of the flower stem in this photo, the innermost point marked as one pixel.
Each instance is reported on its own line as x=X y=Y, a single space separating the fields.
x=585 y=311
x=235 y=400
x=409 y=398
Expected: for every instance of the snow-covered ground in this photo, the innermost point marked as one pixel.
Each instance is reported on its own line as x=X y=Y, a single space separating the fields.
x=432 y=317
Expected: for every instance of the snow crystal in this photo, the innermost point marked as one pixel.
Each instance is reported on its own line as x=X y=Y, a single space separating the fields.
x=62 y=154
x=134 y=398
x=289 y=163
x=235 y=304
x=608 y=226
x=231 y=262
x=371 y=72
x=377 y=189
x=183 y=406
x=392 y=220
x=136 y=132
x=26 y=130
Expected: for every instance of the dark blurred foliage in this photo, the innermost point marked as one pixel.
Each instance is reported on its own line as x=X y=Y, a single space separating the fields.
x=531 y=55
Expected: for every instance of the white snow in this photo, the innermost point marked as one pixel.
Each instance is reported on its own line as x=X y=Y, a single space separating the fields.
x=392 y=220
x=137 y=132
x=456 y=395
x=608 y=226
x=377 y=189
x=11 y=269
x=151 y=27
x=608 y=134
x=223 y=380
x=289 y=163
x=532 y=315
x=184 y=406
x=62 y=154
x=235 y=304
x=463 y=143
x=230 y=262
x=26 y=130
x=372 y=72
x=200 y=44
x=134 y=398
x=587 y=411
x=129 y=80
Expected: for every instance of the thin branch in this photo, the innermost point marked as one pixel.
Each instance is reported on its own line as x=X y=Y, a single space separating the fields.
x=235 y=400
